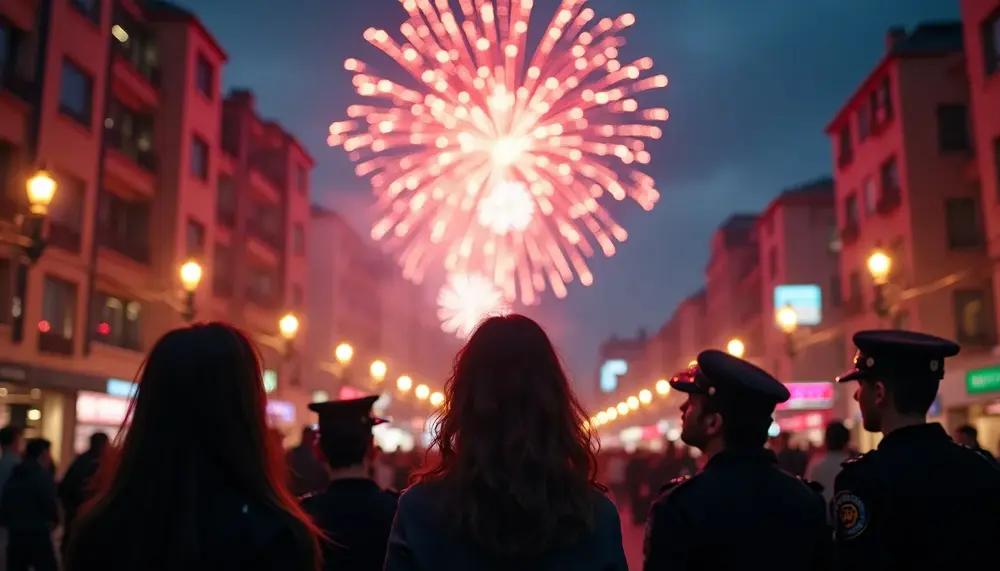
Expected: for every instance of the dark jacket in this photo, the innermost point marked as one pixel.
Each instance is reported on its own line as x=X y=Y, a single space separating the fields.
x=75 y=486
x=227 y=533
x=422 y=541
x=29 y=499
x=919 y=501
x=733 y=514
x=356 y=515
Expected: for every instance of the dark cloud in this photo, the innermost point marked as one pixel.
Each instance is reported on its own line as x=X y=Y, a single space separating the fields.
x=752 y=85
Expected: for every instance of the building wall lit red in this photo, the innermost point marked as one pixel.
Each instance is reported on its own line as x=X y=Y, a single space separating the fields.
x=730 y=313
x=902 y=152
x=126 y=116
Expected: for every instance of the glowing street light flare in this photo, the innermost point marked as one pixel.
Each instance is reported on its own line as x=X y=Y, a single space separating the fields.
x=612 y=413
x=465 y=300
x=880 y=266
x=190 y=276
x=404 y=383
x=344 y=352
x=482 y=108
x=632 y=402
x=662 y=387
x=736 y=348
x=436 y=399
x=288 y=326
x=378 y=370
x=645 y=397
x=622 y=408
x=787 y=319
x=422 y=392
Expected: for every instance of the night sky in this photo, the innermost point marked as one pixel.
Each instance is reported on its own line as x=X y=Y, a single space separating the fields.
x=753 y=83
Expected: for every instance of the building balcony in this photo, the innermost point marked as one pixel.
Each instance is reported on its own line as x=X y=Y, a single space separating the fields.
x=65 y=237
x=16 y=95
x=135 y=83
x=889 y=201
x=135 y=250
x=134 y=167
x=226 y=217
x=49 y=342
x=849 y=233
x=262 y=299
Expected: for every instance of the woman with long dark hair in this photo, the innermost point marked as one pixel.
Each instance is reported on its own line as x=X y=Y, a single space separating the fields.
x=515 y=484
x=197 y=481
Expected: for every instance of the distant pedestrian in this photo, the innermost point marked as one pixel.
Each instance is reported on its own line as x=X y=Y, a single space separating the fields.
x=77 y=485
x=30 y=510
x=825 y=465
x=198 y=482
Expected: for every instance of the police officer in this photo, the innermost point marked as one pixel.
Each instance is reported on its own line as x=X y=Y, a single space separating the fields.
x=354 y=512
x=920 y=500
x=733 y=513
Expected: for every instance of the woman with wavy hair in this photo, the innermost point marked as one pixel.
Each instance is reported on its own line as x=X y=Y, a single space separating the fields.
x=197 y=481
x=515 y=485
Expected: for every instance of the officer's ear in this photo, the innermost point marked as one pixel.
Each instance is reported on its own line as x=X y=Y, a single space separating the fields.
x=880 y=394
x=713 y=424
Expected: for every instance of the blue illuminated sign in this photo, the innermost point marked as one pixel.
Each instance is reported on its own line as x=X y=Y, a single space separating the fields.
x=120 y=388
x=805 y=300
x=610 y=371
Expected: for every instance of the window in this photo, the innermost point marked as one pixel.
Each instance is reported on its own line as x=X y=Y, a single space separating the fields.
x=301 y=179
x=225 y=202
x=17 y=60
x=66 y=212
x=76 y=93
x=125 y=226
x=972 y=325
x=851 y=210
x=836 y=295
x=222 y=271
x=91 y=9
x=6 y=292
x=131 y=133
x=870 y=195
x=58 y=316
x=261 y=287
x=991 y=43
x=864 y=122
x=953 y=128
x=204 y=76
x=199 y=158
x=195 y=239
x=845 y=145
x=962 y=223
x=118 y=321
x=885 y=112
x=889 y=177
x=996 y=164
x=299 y=240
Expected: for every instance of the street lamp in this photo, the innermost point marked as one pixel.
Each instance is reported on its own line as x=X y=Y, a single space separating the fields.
x=404 y=383
x=880 y=268
x=422 y=392
x=622 y=408
x=288 y=326
x=437 y=399
x=736 y=348
x=190 y=274
x=344 y=352
x=378 y=370
x=662 y=387
x=632 y=402
x=788 y=321
x=25 y=234
x=645 y=397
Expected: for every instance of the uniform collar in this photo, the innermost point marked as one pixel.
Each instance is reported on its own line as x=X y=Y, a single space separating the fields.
x=743 y=456
x=351 y=484
x=914 y=433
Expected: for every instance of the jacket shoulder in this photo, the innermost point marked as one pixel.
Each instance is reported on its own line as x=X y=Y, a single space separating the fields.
x=674 y=486
x=859 y=460
x=812 y=485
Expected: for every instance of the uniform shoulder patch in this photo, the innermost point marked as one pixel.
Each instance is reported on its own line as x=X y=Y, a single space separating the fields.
x=307 y=497
x=851 y=515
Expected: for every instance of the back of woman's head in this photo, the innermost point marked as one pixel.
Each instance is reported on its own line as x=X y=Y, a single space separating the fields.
x=517 y=461
x=197 y=429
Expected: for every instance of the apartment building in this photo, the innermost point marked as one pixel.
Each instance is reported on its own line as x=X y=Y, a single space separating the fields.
x=981 y=21
x=732 y=288
x=120 y=102
x=360 y=299
x=902 y=151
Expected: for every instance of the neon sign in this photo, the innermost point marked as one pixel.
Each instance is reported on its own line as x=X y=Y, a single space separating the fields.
x=610 y=371
x=808 y=396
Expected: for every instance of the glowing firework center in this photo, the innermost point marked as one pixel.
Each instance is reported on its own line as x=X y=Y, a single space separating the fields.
x=495 y=162
x=465 y=301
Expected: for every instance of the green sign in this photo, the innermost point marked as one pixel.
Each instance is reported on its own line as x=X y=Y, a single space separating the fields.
x=983 y=381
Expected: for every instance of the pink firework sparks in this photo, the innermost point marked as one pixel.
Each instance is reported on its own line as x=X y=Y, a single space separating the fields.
x=467 y=299
x=558 y=120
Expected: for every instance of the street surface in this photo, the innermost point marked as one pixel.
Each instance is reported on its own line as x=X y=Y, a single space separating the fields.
x=632 y=536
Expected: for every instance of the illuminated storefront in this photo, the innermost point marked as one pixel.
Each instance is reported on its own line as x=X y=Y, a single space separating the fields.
x=98 y=412
x=807 y=411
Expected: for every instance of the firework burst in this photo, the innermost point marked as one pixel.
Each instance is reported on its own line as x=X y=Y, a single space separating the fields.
x=467 y=299
x=496 y=163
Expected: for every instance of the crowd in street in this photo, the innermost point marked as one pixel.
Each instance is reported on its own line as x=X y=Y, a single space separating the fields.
x=515 y=478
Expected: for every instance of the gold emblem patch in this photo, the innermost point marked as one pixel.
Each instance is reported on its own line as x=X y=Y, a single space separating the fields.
x=852 y=518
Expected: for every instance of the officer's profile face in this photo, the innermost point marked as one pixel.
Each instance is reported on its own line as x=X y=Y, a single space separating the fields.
x=698 y=423
x=871 y=397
